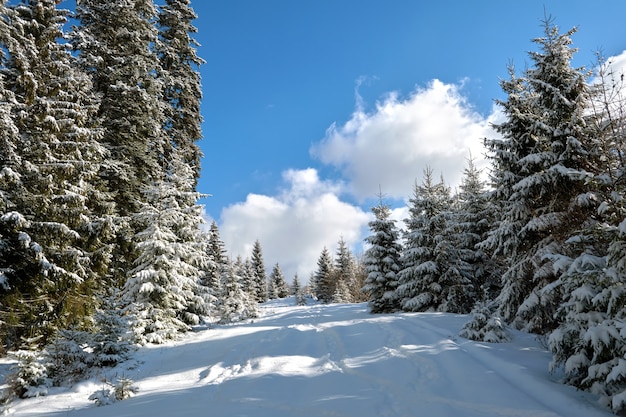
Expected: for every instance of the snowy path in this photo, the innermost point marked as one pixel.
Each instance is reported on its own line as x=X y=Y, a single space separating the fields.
x=335 y=360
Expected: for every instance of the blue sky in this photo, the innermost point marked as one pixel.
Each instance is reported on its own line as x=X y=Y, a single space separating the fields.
x=311 y=105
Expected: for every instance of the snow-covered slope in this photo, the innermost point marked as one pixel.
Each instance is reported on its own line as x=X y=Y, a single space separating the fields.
x=331 y=360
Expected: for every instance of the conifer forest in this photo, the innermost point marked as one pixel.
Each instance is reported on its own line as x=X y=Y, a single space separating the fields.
x=102 y=243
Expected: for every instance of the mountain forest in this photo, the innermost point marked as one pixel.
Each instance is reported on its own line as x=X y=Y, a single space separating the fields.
x=102 y=243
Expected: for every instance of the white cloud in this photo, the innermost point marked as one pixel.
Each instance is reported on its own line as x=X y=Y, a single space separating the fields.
x=294 y=226
x=391 y=146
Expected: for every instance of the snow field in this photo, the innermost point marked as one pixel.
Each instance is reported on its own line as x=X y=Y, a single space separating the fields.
x=332 y=360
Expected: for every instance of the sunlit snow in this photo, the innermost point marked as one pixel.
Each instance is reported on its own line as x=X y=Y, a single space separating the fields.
x=330 y=360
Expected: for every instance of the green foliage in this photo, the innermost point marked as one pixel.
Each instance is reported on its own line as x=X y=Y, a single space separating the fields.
x=29 y=378
x=485 y=326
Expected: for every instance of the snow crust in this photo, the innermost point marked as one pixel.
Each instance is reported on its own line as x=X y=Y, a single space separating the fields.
x=335 y=359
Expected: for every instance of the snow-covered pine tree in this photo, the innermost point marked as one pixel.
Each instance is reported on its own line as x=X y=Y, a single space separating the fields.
x=342 y=292
x=218 y=258
x=503 y=239
x=235 y=303
x=191 y=238
x=485 y=326
x=277 y=284
x=382 y=261
x=433 y=275
x=260 y=275
x=589 y=342
x=298 y=291
x=323 y=277
x=457 y=278
x=111 y=341
x=247 y=276
x=67 y=357
x=28 y=377
x=542 y=160
x=475 y=215
x=164 y=289
x=245 y=272
x=114 y=42
x=19 y=256
x=58 y=201
x=181 y=80
x=344 y=273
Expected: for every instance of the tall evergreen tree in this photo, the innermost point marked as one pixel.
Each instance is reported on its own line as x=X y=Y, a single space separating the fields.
x=217 y=257
x=181 y=80
x=475 y=215
x=115 y=41
x=589 y=341
x=344 y=272
x=382 y=261
x=323 y=277
x=164 y=289
x=260 y=276
x=58 y=210
x=540 y=160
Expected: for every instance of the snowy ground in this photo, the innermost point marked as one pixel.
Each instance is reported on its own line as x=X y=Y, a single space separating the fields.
x=331 y=360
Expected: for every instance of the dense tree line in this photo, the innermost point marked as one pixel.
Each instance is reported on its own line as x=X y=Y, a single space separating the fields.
x=99 y=163
x=541 y=246
x=339 y=279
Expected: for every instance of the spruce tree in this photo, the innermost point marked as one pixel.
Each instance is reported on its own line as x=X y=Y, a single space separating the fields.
x=344 y=273
x=260 y=276
x=431 y=277
x=342 y=293
x=475 y=215
x=115 y=41
x=589 y=341
x=282 y=289
x=539 y=167
x=58 y=208
x=298 y=291
x=218 y=259
x=182 y=92
x=164 y=289
x=323 y=277
x=382 y=261
x=111 y=341
x=248 y=279
x=235 y=303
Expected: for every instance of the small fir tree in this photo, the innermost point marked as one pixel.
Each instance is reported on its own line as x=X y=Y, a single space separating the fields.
x=235 y=304
x=277 y=283
x=382 y=261
x=298 y=291
x=323 y=277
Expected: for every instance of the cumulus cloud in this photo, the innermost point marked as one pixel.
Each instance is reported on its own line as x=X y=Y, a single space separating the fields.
x=390 y=146
x=295 y=225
